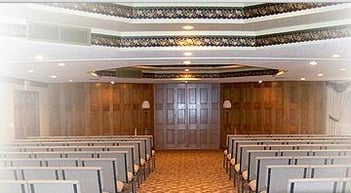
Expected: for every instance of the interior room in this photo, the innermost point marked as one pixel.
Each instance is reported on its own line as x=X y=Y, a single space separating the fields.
x=184 y=81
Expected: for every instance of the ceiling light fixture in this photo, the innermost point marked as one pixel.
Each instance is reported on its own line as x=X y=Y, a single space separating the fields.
x=342 y=69
x=39 y=57
x=94 y=74
x=186 y=69
x=313 y=63
x=320 y=74
x=187 y=54
x=303 y=78
x=260 y=81
x=71 y=80
x=187 y=62
x=281 y=72
x=335 y=56
x=61 y=64
x=188 y=27
x=112 y=82
x=53 y=76
x=30 y=71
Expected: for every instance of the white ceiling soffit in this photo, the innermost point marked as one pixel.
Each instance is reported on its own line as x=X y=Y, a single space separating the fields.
x=18 y=58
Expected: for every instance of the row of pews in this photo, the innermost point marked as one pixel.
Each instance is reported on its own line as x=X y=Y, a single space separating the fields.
x=289 y=163
x=76 y=164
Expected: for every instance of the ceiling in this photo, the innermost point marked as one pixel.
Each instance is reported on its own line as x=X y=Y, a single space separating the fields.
x=18 y=51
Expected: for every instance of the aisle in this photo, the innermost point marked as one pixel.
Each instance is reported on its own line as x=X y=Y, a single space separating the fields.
x=188 y=171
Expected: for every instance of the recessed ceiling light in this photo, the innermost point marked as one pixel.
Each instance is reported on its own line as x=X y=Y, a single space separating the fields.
x=187 y=62
x=281 y=72
x=39 y=57
x=320 y=74
x=53 y=76
x=186 y=82
x=335 y=56
x=260 y=81
x=342 y=69
x=187 y=54
x=313 y=63
x=71 y=80
x=112 y=82
x=61 y=64
x=93 y=74
x=30 y=71
x=188 y=27
x=302 y=78
x=186 y=69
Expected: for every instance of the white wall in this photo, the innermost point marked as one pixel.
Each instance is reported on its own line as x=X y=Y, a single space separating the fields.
x=7 y=115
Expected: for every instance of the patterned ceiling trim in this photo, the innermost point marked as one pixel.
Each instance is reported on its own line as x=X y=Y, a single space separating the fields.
x=210 y=75
x=173 y=41
x=260 y=10
x=196 y=75
x=224 y=41
x=19 y=30
x=304 y=35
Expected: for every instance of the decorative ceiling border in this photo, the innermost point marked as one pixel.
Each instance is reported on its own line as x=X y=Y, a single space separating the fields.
x=195 y=75
x=224 y=41
x=248 y=12
x=315 y=34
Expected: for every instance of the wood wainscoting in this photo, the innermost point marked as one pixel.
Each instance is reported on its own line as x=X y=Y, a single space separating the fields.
x=273 y=107
x=187 y=116
x=99 y=108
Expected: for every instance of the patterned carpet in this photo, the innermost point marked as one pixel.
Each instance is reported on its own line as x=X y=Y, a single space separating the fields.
x=188 y=171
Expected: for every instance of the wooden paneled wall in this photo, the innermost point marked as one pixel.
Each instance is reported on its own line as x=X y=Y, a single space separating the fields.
x=273 y=107
x=99 y=109
x=26 y=107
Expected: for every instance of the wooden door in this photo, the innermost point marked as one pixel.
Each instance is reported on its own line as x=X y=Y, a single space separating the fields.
x=26 y=105
x=186 y=116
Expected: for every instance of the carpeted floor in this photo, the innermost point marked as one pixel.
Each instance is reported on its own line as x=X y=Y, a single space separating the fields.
x=188 y=171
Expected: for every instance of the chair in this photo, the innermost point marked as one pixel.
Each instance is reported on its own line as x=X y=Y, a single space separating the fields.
x=55 y=186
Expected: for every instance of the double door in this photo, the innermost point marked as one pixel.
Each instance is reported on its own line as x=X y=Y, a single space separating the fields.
x=187 y=116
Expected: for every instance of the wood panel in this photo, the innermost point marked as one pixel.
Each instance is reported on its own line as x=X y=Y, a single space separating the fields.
x=187 y=115
x=26 y=108
x=100 y=109
x=273 y=107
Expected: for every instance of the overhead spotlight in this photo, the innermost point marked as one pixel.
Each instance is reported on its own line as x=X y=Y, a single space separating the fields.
x=335 y=56
x=112 y=82
x=71 y=80
x=188 y=27
x=303 y=78
x=313 y=63
x=260 y=81
x=53 y=76
x=320 y=74
x=61 y=64
x=39 y=57
x=187 y=62
x=186 y=69
x=281 y=72
x=187 y=54
x=342 y=69
x=30 y=71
